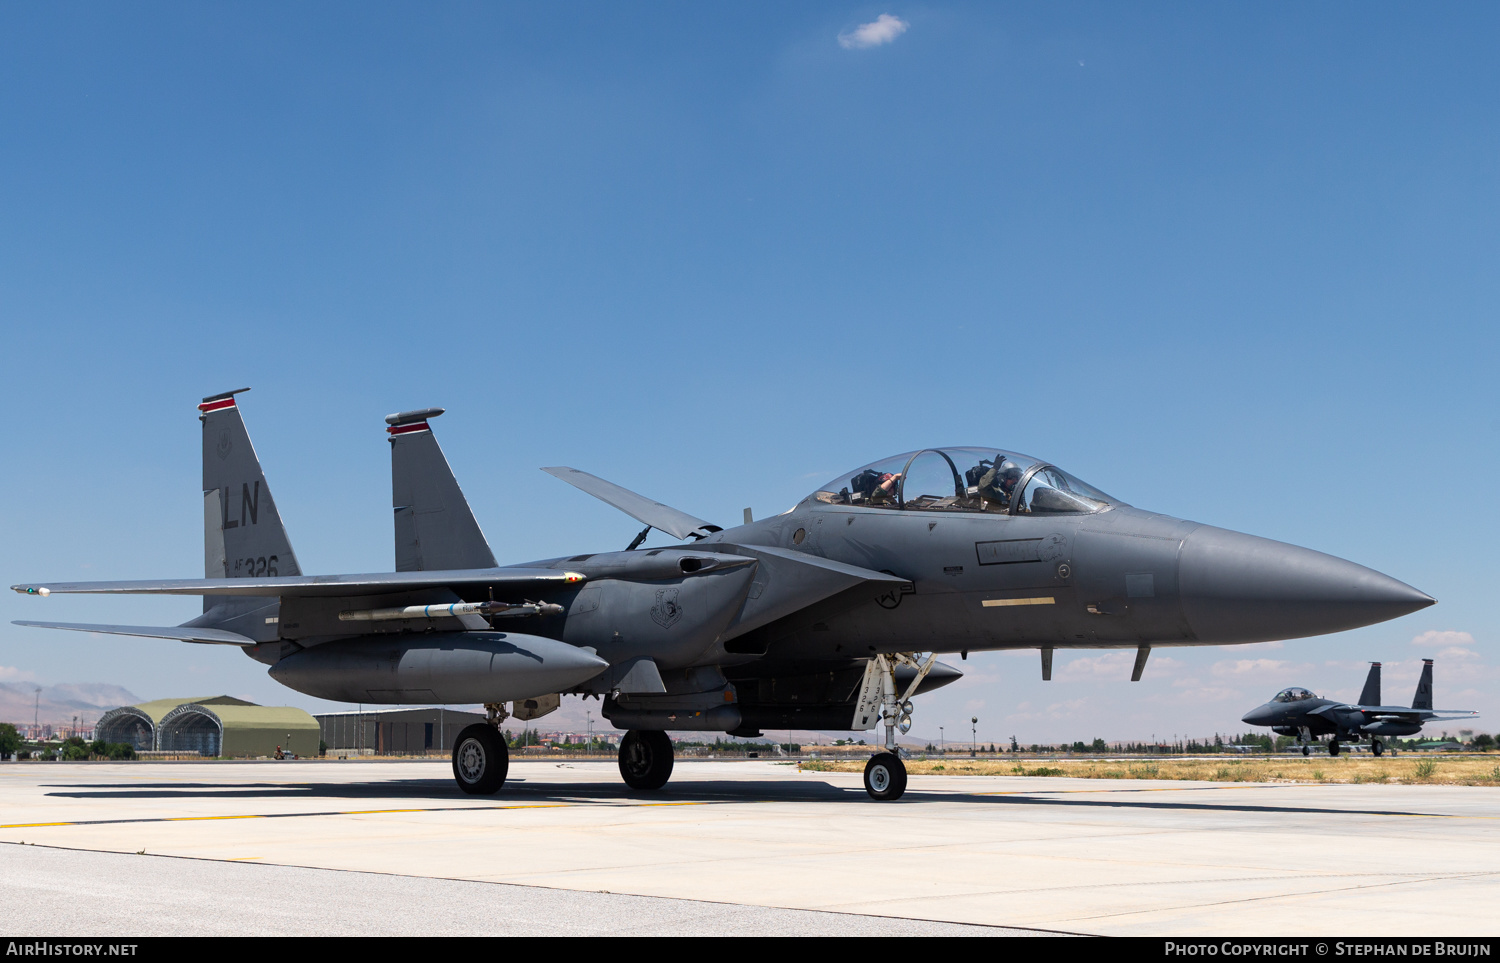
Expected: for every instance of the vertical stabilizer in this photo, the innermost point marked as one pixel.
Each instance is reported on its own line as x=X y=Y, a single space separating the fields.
x=435 y=528
x=242 y=531
x=1370 y=696
x=1423 y=698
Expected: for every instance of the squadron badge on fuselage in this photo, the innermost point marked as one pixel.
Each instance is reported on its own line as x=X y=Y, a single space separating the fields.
x=666 y=611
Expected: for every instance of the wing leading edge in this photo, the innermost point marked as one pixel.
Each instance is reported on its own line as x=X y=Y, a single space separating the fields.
x=181 y=633
x=310 y=586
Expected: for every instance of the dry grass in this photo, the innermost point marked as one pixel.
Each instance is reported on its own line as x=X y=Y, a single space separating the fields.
x=1449 y=770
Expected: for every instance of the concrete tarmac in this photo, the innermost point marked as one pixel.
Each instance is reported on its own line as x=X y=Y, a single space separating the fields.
x=730 y=847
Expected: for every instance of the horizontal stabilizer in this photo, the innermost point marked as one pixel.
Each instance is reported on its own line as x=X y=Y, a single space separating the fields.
x=660 y=517
x=313 y=586
x=181 y=633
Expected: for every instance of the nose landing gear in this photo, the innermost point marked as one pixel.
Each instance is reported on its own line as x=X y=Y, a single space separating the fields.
x=885 y=773
x=885 y=776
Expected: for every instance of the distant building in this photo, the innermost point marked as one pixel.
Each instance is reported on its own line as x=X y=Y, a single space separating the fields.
x=211 y=726
x=395 y=731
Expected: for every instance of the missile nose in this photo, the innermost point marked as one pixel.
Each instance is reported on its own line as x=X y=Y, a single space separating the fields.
x=1240 y=588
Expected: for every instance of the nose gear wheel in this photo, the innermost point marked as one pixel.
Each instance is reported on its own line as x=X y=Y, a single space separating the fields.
x=885 y=777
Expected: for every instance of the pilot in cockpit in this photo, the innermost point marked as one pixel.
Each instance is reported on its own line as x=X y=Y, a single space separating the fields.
x=872 y=487
x=885 y=490
x=995 y=481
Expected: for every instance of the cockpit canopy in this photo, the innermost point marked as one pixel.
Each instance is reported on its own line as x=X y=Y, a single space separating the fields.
x=965 y=480
x=1293 y=695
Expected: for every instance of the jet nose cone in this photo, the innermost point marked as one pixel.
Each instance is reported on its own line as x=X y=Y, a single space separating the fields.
x=1239 y=588
x=1257 y=716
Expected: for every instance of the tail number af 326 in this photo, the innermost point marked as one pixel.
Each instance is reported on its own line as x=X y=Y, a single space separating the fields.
x=251 y=567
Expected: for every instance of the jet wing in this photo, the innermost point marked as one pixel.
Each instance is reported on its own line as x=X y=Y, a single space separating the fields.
x=1442 y=715
x=1397 y=713
x=181 y=633
x=311 y=586
x=661 y=517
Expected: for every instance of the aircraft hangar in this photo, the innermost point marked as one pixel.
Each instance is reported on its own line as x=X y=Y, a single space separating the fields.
x=211 y=726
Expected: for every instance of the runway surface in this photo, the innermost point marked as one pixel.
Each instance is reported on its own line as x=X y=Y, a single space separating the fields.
x=729 y=847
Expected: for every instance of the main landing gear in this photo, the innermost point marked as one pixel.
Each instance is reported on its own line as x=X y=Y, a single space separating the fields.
x=480 y=759
x=646 y=758
x=885 y=773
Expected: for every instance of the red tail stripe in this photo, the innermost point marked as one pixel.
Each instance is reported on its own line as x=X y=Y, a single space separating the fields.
x=408 y=429
x=216 y=405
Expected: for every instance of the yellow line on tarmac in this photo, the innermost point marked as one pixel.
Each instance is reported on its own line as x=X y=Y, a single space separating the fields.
x=344 y=812
x=1033 y=792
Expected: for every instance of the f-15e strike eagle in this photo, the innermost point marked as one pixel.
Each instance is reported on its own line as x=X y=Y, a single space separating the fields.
x=1297 y=712
x=827 y=616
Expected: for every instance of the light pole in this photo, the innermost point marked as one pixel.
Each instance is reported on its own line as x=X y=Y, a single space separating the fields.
x=942 y=747
x=588 y=716
x=974 y=736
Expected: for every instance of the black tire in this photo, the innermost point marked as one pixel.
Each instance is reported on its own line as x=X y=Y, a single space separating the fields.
x=1334 y=747
x=1377 y=747
x=1307 y=750
x=885 y=776
x=646 y=758
x=480 y=760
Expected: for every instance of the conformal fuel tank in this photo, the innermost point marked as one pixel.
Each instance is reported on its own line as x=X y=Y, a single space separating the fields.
x=441 y=667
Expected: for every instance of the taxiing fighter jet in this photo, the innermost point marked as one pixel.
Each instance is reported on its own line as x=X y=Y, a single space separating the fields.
x=827 y=616
x=1297 y=712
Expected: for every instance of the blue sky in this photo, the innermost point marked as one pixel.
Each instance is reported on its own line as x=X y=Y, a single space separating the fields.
x=1231 y=262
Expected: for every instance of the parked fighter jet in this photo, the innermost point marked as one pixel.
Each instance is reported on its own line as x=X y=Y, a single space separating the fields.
x=827 y=616
x=1297 y=712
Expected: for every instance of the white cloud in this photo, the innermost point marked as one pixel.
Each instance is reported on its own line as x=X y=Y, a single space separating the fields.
x=1443 y=639
x=1113 y=665
x=19 y=675
x=883 y=29
x=1200 y=695
x=1248 y=666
